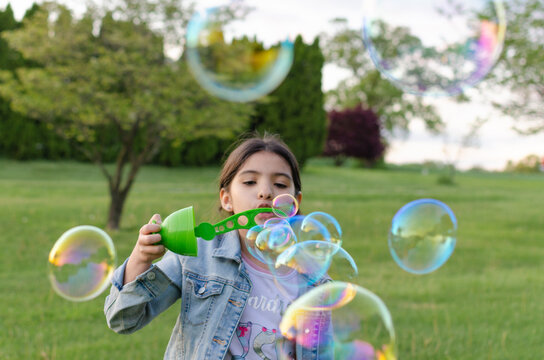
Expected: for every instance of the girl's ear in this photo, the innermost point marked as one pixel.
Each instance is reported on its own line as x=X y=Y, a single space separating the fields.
x=226 y=200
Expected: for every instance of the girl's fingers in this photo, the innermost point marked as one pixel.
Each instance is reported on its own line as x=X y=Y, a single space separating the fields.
x=150 y=229
x=155 y=219
x=154 y=250
x=149 y=239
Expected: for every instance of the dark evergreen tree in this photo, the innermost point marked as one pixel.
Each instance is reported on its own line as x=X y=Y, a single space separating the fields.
x=295 y=110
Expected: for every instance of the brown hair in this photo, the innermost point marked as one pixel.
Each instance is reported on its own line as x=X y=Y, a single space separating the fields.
x=246 y=147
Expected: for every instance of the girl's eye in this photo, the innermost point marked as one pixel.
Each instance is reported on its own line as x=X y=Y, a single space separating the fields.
x=281 y=186
x=249 y=182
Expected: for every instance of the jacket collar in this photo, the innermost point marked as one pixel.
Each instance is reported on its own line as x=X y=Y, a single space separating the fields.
x=229 y=246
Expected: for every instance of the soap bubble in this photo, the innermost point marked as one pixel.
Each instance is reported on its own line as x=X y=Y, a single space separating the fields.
x=251 y=239
x=434 y=47
x=340 y=321
x=81 y=263
x=229 y=60
x=312 y=230
x=423 y=235
x=285 y=205
x=315 y=221
x=315 y=262
x=273 y=240
x=318 y=259
x=275 y=222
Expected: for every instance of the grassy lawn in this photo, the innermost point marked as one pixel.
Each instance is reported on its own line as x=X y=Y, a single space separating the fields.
x=486 y=302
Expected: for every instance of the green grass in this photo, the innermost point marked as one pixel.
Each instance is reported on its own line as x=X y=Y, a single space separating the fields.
x=486 y=302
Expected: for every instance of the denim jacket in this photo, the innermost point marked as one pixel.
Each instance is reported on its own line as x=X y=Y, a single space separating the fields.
x=214 y=288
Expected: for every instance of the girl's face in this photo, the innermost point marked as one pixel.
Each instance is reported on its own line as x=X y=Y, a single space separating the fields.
x=262 y=177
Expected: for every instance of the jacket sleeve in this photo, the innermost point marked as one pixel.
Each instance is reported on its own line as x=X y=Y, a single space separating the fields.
x=131 y=306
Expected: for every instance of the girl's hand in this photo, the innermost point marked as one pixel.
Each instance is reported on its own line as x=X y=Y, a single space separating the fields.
x=145 y=251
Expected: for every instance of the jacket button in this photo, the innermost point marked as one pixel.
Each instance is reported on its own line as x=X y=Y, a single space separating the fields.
x=150 y=276
x=201 y=290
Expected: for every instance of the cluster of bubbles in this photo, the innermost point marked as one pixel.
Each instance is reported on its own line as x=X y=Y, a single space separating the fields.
x=334 y=318
x=81 y=263
x=437 y=47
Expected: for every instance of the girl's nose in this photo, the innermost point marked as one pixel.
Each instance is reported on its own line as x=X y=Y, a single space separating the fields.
x=265 y=193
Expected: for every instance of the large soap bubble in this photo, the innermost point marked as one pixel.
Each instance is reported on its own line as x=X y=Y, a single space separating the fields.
x=340 y=321
x=285 y=205
x=422 y=235
x=318 y=219
x=273 y=240
x=434 y=47
x=229 y=59
x=81 y=263
x=315 y=262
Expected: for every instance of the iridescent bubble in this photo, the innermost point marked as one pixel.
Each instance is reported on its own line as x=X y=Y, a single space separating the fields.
x=285 y=205
x=315 y=221
x=251 y=239
x=434 y=47
x=312 y=230
x=422 y=235
x=275 y=222
x=315 y=260
x=274 y=240
x=340 y=321
x=229 y=60
x=81 y=263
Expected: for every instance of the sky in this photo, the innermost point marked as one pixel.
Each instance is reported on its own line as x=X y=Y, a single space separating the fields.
x=497 y=142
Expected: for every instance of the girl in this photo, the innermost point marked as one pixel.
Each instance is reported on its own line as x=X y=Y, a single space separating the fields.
x=229 y=306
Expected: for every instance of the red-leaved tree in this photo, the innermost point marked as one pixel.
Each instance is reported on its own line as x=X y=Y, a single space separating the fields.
x=354 y=132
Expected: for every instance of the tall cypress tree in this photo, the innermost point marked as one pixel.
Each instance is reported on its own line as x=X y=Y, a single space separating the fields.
x=295 y=110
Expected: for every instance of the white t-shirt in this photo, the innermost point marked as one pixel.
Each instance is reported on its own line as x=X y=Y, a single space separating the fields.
x=258 y=336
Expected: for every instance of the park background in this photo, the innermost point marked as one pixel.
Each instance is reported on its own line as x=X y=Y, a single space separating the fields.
x=485 y=303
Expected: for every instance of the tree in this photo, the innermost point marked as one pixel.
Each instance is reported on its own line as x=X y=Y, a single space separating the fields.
x=529 y=164
x=356 y=133
x=366 y=86
x=107 y=70
x=520 y=69
x=295 y=110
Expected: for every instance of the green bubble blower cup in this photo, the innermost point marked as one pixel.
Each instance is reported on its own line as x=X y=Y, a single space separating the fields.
x=178 y=232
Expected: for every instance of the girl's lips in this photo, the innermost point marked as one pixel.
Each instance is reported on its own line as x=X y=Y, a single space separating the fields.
x=265 y=216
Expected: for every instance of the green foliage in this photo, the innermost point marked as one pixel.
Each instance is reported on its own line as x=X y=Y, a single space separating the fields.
x=366 y=86
x=529 y=164
x=520 y=69
x=295 y=110
x=111 y=91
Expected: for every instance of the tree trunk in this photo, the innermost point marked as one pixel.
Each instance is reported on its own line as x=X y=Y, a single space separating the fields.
x=117 y=202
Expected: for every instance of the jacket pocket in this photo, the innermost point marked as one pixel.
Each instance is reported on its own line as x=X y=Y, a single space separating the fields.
x=202 y=294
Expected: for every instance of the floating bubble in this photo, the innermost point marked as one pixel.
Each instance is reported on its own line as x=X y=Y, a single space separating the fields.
x=251 y=239
x=81 y=263
x=316 y=260
x=229 y=60
x=285 y=205
x=341 y=321
x=434 y=47
x=274 y=240
x=275 y=222
x=315 y=221
x=313 y=229
x=423 y=235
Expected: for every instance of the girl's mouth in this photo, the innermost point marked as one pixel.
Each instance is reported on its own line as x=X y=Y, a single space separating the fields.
x=265 y=216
